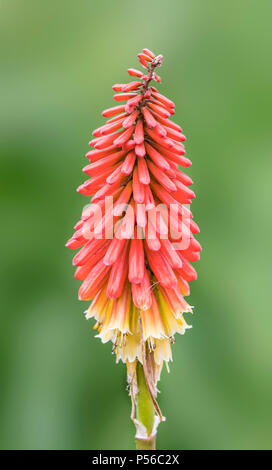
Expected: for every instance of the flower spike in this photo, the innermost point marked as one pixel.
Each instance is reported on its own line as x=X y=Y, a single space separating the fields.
x=136 y=237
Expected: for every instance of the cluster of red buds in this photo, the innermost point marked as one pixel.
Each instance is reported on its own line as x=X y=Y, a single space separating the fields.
x=136 y=238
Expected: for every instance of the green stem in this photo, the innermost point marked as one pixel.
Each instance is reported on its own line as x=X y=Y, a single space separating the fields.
x=145 y=411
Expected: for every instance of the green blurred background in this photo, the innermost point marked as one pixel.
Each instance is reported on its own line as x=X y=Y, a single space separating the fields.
x=60 y=387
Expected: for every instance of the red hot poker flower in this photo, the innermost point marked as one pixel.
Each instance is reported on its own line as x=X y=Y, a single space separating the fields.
x=136 y=238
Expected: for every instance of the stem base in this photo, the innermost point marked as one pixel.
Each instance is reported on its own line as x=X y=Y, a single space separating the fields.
x=146 y=444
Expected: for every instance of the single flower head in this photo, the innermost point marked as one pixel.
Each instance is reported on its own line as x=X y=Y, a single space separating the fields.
x=136 y=237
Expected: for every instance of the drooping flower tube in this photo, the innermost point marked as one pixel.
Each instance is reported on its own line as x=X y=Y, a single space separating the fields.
x=136 y=238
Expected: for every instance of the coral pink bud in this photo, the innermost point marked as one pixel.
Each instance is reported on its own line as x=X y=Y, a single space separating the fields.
x=128 y=164
x=135 y=73
x=79 y=223
x=140 y=215
x=169 y=155
x=95 y=155
x=145 y=57
x=195 y=245
x=171 y=173
x=131 y=86
x=116 y=118
x=159 y=110
x=74 y=244
x=187 y=271
x=127 y=226
x=161 y=177
x=139 y=132
x=194 y=227
x=149 y=199
x=168 y=103
x=149 y=119
x=122 y=200
x=140 y=150
x=183 y=178
x=104 y=163
x=123 y=96
x=114 y=251
x=129 y=121
x=175 y=135
x=151 y=238
x=163 y=105
x=164 y=196
x=166 y=122
x=132 y=103
x=82 y=271
x=138 y=188
x=129 y=145
x=157 y=158
x=147 y=94
x=124 y=137
x=192 y=255
x=184 y=190
x=170 y=254
x=163 y=141
x=118 y=275
x=143 y=172
x=85 y=254
x=136 y=261
x=160 y=130
x=161 y=268
x=173 y=166
x=114 y=176
x=175 y=150
x=103 y=142
x=118 y=86
x=149 y=53
x=113 y=111
x=108 y=128
x=142 y=60
x=180 y=160
x=107 y=190
x=91 y=186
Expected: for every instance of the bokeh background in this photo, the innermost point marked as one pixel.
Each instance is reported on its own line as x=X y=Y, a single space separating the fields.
x=60 y=387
